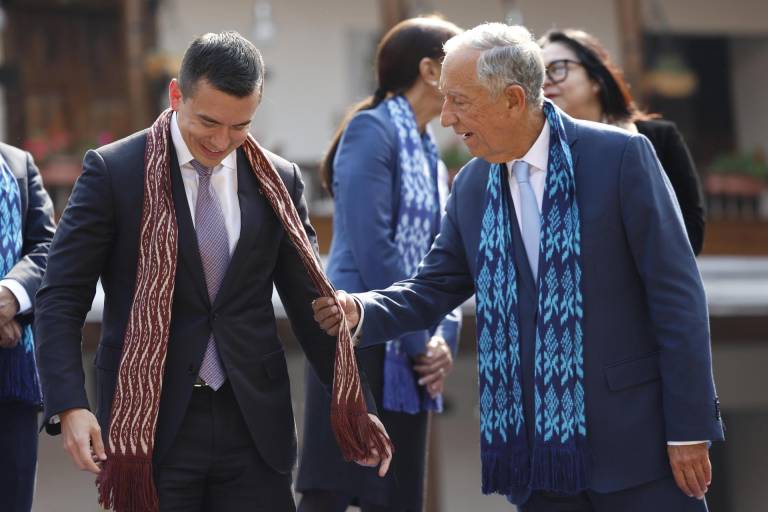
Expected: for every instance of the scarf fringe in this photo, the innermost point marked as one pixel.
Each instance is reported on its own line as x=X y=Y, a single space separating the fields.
x=504 y=472
x=357 y=435
x=400 y=393
x=18 y=375
x=560 y=469
x=125 y=484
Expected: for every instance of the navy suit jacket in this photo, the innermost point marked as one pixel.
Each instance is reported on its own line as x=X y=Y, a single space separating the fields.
x=98 y=238
x=647 y=358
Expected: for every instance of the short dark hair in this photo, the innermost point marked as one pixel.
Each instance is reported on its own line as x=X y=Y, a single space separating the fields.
x=227 y=61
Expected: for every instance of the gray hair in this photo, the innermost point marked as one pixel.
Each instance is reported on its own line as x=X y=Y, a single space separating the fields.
x=509 y=56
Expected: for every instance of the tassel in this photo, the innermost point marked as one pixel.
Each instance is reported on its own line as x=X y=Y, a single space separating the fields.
x=18 y=373
x=401 y=393
x=356 y=435
x=505 y=473
x=125 y=484
x=562 y=470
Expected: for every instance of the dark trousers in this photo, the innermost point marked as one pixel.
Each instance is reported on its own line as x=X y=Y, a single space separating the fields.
x=657 y=496
x=213 y=464
x=18 y=456
x=331 y=501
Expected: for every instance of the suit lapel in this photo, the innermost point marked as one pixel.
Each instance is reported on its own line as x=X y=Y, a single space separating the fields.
x=189 y=254
x=572 y=134
x=253 y=206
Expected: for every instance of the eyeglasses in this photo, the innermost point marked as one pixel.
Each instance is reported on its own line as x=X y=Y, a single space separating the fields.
x=557 y=70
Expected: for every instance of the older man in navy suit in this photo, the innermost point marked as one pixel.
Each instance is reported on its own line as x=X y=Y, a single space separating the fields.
x=593 y=343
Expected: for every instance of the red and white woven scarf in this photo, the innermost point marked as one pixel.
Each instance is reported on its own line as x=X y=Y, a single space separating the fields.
x=126 y=482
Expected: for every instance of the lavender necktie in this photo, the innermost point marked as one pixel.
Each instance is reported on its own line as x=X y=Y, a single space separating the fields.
x=213 y=244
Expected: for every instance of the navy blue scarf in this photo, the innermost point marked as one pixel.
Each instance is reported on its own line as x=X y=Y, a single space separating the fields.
x=18 y=372
x=557 y=458
x=418 y=221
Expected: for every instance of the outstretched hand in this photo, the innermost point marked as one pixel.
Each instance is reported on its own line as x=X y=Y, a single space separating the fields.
x=327 y=314
x=376 y=459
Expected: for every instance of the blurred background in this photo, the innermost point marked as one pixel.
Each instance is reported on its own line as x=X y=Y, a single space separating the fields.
x=76 y=74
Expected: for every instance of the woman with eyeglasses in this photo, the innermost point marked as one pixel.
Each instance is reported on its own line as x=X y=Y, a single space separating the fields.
x=582 y=80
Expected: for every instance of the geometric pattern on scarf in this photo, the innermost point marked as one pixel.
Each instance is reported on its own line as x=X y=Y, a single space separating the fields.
x=418 y=219
x=558 y=458
x=19 y=381
x=126 y=481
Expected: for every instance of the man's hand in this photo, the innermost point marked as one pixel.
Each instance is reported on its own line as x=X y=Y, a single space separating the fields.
x=327 y=314
x=82 y=439
x=376 y=459
x=10 y=334
x=9 y=306
x=691 y=468
x=434 y=366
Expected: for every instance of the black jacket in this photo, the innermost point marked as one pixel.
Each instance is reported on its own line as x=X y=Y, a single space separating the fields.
x=678 y=164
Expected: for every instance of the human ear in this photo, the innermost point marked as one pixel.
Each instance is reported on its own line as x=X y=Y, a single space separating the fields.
x=515 y=97
x=429 y=71
x=174 y=94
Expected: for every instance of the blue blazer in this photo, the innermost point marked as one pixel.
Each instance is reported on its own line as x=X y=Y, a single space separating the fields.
x=648 y=369
x=366 y=187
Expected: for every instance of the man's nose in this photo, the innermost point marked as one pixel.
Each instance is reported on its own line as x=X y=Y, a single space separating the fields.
x=447 y=118
x=221 y=139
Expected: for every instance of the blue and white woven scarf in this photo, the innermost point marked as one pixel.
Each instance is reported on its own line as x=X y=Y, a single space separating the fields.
x=18 y=373
x=418 y=221
x=558 y=458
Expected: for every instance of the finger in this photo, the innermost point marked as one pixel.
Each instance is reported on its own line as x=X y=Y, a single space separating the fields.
x=98 y=444
x=83 y=457
x=693 y=483
x=326 y=312
x=701 y=478
x=431 y=378
x=384 y=466
x=681 y=482
x=16 y=330
x=707 y=471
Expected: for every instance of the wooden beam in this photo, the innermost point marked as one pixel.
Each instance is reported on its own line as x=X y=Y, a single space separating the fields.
x=134 y=28
x=631 y=34
x=391 y=13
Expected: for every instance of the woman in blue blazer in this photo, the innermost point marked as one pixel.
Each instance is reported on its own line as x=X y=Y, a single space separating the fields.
x=389 y=189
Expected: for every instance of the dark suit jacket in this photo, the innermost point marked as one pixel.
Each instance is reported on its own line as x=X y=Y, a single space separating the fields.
x=647 y=359
x=98 y=237
x=37 y=224
x=678 y=164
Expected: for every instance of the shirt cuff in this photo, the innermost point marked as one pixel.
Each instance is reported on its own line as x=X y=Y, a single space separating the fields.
x=684 y=443
x=18 y=291
x=359 y=329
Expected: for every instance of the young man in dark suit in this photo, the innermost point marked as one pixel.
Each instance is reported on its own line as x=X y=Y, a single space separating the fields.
x=225 y=435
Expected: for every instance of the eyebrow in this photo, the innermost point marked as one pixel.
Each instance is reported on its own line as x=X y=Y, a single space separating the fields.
x=214 y=121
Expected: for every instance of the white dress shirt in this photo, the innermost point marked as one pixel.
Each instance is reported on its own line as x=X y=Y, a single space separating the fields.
x=223 y=181
x=537 y=158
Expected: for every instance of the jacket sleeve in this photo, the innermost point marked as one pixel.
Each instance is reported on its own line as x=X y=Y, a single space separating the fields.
x=38 y=232
x=297 y=291
x=78 y=253
x=442 y=283
x=675 y=295
x=365 y=170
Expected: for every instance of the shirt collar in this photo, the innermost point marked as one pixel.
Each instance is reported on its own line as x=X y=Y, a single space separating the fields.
x=185 y=156
x=537 y=156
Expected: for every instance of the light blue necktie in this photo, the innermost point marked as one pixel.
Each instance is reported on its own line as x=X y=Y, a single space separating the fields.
x=213 y=243
x=530 y=217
